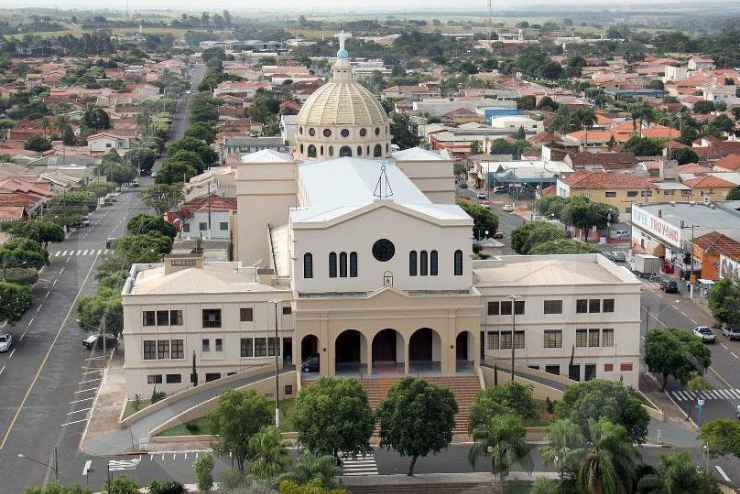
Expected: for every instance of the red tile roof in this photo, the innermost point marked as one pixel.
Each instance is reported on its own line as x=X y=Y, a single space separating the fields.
x=729 y=162
x=720 y=243
x=709 y=182
x=602 y=180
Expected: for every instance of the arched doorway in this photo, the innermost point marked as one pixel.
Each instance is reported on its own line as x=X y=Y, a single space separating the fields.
x=310 y=359
x=345 y=151
x=463 y=348
x=424 y=351
x=350 y=351
x=388 y=352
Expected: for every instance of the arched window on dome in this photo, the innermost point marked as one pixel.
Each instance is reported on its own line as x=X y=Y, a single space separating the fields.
x=345 y=151
x=311 y=151
x=359 y=150
x=378 y=152
x=345 y=132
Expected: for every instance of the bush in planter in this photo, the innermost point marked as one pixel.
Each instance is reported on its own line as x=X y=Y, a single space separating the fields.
x=23 y=276
x=166 y=487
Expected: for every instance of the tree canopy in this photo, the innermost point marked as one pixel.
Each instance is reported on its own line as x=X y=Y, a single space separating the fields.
x=416 y=418
x=532 y=233
x=147 y=223
x=484 y=220
x=563 y=246
x=724 y=301
x=39 y=230
x=677 y=353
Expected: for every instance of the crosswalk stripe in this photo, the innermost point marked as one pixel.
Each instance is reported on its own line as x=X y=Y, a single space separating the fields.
x=678 y=395
x=360 y=465
x=57 y=253
x=690 y=394
x=735 y=393
x=85 y=253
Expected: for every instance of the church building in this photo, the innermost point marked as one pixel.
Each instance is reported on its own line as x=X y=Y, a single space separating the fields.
x=351 y=259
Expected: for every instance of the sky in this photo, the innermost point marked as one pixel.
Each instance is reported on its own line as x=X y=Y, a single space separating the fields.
x=339 y=6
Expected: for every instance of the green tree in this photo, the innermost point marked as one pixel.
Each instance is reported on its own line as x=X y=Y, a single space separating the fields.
x=332 y=416
x=734 y=194
x=724 y=301
x=174 y=172
x=68 y=136
x=203 y=469
x=528 y=102
x=564 y=448
x=533 y=233
x=38 y=230
x=684 y=155
x=202 y=131
x=401 y=132
x=677 y=473
x=162 y=197
x=148 y=223
x=37 y=143
x=16 y=301
x=268 y=457
x=201 y=148
x=237 y=418
x=597 y=399
x=121 y=485
x=563 y=246
x=22 y=252
x=704 y=107
x=503 y=440
x=643 y=146
x=545 y=486
x=513 y=398
x=416 y=418
x=148 y=247
x=484 y=220
x=312 y=468
x=264 y=107
x=166 y=487
x=610 y=459
x=722 y=436
x=552 y=71
x=95 y=119
x=141 y=159
x=551 y=206
x=584 y=214
x=675 y=352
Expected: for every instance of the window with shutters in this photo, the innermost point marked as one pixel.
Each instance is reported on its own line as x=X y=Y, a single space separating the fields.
x=177 y=350
x=581 y=306
x=150 y=349
x=593 y=338
x=553 y=307
x=581 y=338
x=246 y=314
x=246 y=348
x=553 y=338
x=607 y=337
x=608 y=305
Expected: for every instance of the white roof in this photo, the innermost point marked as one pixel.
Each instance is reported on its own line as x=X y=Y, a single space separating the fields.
x=218 y=277
x=338 y=187
x=416 y=154
x=266 y=156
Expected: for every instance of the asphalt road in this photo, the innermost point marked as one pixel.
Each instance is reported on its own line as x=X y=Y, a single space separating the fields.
x=49 y=380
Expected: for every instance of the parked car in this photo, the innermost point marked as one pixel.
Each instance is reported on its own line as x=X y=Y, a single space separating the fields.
x=96 y=341
x=311 y=364
x=6 y=342
x=705 y=333
x=482 y=195
x=616 y=255
x=731 y=333
x=498 y=235
x=669 y=286
x=508 y=208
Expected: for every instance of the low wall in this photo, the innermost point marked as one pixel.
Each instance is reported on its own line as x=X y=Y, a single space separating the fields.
x=539 y=391
x=265 y=387
x=187 y=393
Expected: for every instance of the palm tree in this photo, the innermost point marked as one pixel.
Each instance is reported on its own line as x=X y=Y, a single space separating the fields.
x=610 y=460
x=312 y=468
x=564 y=446
x=586 y=119
x=268 y=456
x=503 y=440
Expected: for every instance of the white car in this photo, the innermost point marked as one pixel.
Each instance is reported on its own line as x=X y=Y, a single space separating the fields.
x=6 y=342
x=482 y=195
x=705 y=333
x=508 y=208
x=731 y=333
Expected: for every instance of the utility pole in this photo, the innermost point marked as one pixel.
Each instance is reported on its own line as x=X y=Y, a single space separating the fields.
x=513 y=334
x=277 y=369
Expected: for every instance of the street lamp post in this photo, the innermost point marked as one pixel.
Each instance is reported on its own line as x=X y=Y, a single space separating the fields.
x=54 y=467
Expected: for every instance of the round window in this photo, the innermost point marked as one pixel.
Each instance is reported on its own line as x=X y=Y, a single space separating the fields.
x=383 y=250
x=312 y=132
x=377 y=131
x=345 y=133
x=327 y=133
x=363 y=132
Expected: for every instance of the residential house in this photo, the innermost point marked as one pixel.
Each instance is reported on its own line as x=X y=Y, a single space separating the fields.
x=600 y=161
x=206 y=217
x=618 y=190
x=707 y=250
x=103 y=142
x=709 y=188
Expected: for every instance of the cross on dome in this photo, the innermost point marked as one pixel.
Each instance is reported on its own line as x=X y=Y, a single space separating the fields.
x=342 y=37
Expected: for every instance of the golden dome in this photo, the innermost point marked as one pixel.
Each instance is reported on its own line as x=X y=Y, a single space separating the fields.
x=342 y=103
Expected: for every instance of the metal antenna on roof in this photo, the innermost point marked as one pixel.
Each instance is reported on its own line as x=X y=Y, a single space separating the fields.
x=383 y=188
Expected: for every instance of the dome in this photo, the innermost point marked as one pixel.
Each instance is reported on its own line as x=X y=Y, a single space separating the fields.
x=342 y=103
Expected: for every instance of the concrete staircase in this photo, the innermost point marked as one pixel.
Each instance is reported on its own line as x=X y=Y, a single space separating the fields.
x=463 y=387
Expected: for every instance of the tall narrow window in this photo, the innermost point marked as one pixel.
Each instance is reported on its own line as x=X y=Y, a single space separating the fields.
x=343 y=265
x=353 y=265
x=307 y=265
x=412 y=263
x=333 y=265
x=433 y=263
x=423 y=263
x=458 y=263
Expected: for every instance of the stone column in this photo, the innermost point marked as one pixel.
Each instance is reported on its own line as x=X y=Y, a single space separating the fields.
x=369 y=353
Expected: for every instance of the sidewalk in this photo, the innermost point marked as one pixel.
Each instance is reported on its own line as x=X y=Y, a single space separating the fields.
x=676 y=429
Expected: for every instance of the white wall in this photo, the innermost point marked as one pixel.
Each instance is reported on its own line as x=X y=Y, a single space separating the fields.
x=217 y=217
x=359 y=234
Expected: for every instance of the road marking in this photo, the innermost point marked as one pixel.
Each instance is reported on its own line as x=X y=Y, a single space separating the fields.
x=29 y=323
x=95 y=358
x=44 y=361
x=2 y=370
x=80 y=401
x=58 y=253
x=722 y=473
x=23 y=335
x=78 y=411
x=85 y=390
x=734 y=354
x=62 y=270
x=38 y=309
x=73 y=422
x=90 y=380
x=724 y=381
x=723 y=346
x=123 y=465
x=11 y=354
x=64 y=253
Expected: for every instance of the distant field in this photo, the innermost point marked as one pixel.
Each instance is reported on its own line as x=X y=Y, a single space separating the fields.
x=176 y=32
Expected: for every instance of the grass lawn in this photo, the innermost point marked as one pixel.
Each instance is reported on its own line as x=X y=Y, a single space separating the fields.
x=544 y=419
x=131 y=407
x=202 y=426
